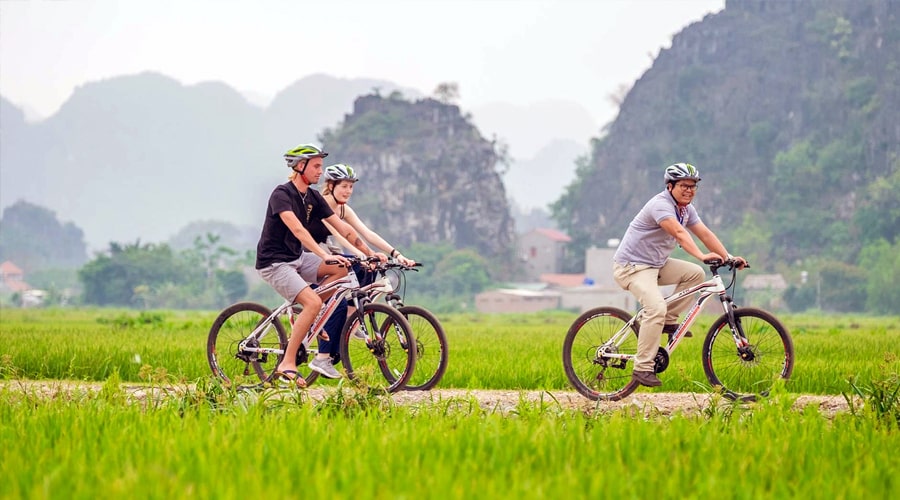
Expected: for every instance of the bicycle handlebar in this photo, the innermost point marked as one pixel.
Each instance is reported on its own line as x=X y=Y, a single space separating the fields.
x=378 y=264
x=715 y=264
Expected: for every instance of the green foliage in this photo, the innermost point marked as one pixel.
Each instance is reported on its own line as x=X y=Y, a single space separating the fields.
x=153 y=276
x=762 y=135
x=448 y=279
x=800 y=298
x=751 y=239
x=119 y=276
x=878 y=216
x=233 y=283
x=33 y=239
x=462 y=272
x=880 y=261
x=812 y=184
x=881 y=398
x=843 y=287
x=860 y=92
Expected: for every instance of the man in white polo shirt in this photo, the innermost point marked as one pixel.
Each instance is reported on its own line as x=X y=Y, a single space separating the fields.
x=642 y=262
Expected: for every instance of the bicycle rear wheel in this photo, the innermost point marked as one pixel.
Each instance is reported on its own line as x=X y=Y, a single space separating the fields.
x=431 y=348
x=746 y=372
x=593 y=376
x=230 y=328
x=385 y=358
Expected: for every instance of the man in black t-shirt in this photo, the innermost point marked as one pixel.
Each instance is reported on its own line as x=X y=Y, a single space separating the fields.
x=288 y=258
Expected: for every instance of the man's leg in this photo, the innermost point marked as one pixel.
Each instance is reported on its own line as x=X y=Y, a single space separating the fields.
x=311 y=305
x=684 y=275
x=641 y=281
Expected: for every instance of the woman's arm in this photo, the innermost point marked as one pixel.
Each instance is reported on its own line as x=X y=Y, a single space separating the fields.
x=342 y=242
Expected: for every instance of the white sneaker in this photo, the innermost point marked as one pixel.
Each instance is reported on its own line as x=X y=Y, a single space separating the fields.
x=324 y=366
x=359 y=334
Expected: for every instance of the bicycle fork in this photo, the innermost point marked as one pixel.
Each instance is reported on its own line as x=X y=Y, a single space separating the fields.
x=742 y=343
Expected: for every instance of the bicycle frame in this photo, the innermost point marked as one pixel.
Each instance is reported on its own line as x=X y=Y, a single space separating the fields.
x=713 y=286
x=343 y=287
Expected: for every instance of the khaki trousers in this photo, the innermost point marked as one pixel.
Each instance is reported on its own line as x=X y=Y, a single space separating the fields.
x=643 y=282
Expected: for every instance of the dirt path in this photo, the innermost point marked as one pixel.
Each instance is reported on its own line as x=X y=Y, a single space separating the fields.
x=663 y=403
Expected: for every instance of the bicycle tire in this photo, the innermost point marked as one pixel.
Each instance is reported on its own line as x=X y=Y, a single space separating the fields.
x=608 y=380
x=745 y=376
x=432 y=354
x=386 y=358
x=228 y=330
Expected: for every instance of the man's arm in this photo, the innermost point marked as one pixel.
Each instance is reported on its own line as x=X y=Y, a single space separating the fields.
x=673 y=227
x=296 y=227
x=709 y=239
x=712 y=242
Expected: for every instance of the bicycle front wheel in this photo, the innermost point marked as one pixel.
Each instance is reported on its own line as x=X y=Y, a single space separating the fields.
x=238 y=367
x=592 y=375
x=378 y=347
x=749 y=370
x=431 y=348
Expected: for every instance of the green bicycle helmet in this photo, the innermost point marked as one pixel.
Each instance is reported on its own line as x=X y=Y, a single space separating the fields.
x=303 y=152
x=340 y=172
x=681 y=171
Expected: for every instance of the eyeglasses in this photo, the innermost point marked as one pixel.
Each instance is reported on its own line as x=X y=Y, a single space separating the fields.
x=688 y=187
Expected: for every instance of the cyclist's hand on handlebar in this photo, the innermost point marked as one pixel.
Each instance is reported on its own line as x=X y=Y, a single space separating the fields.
x=406 y=262
x=381 y=257
x=739 y=262
x=340 y=260
x=712 y=256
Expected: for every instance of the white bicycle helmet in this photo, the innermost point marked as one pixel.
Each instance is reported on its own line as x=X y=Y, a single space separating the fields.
x=340 y=172
x=681 y=171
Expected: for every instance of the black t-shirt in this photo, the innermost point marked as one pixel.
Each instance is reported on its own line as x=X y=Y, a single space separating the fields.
x=317 y=229
x=277 y=243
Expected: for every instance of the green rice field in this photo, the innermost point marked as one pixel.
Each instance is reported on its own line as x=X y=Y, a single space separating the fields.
x=212 y=442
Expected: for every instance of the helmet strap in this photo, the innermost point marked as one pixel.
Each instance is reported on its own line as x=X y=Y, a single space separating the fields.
x=302 y=172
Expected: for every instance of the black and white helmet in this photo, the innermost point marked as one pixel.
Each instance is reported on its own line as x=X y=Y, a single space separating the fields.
x=340 y=172
x=681 y=171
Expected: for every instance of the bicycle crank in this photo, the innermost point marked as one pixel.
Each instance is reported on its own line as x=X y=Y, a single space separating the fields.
x=661 y=361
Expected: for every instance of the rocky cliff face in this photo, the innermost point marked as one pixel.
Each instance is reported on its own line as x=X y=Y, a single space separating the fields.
x=427 y=175
x=741 y=94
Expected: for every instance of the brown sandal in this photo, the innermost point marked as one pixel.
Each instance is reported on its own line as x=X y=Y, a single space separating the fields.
x=296 y=380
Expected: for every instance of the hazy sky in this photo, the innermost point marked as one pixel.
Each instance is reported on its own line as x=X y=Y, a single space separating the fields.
x=514 y=51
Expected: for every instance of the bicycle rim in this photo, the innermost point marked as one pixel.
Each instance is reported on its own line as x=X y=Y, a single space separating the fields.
x=750 y=372
x=229 y=329
x=432 y=355
x=385 y=359
x=599 y=379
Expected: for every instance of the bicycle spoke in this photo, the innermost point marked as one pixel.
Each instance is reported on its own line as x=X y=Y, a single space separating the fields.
x=431 y=348
x=243 y=367
x=592 y=375
x=745 y=371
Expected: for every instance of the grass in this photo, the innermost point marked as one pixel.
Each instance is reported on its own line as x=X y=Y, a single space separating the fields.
x=486 y=351
x=210 y=442
x=207 y=441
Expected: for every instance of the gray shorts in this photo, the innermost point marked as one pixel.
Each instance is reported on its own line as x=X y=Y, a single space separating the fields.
x=290 y=278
